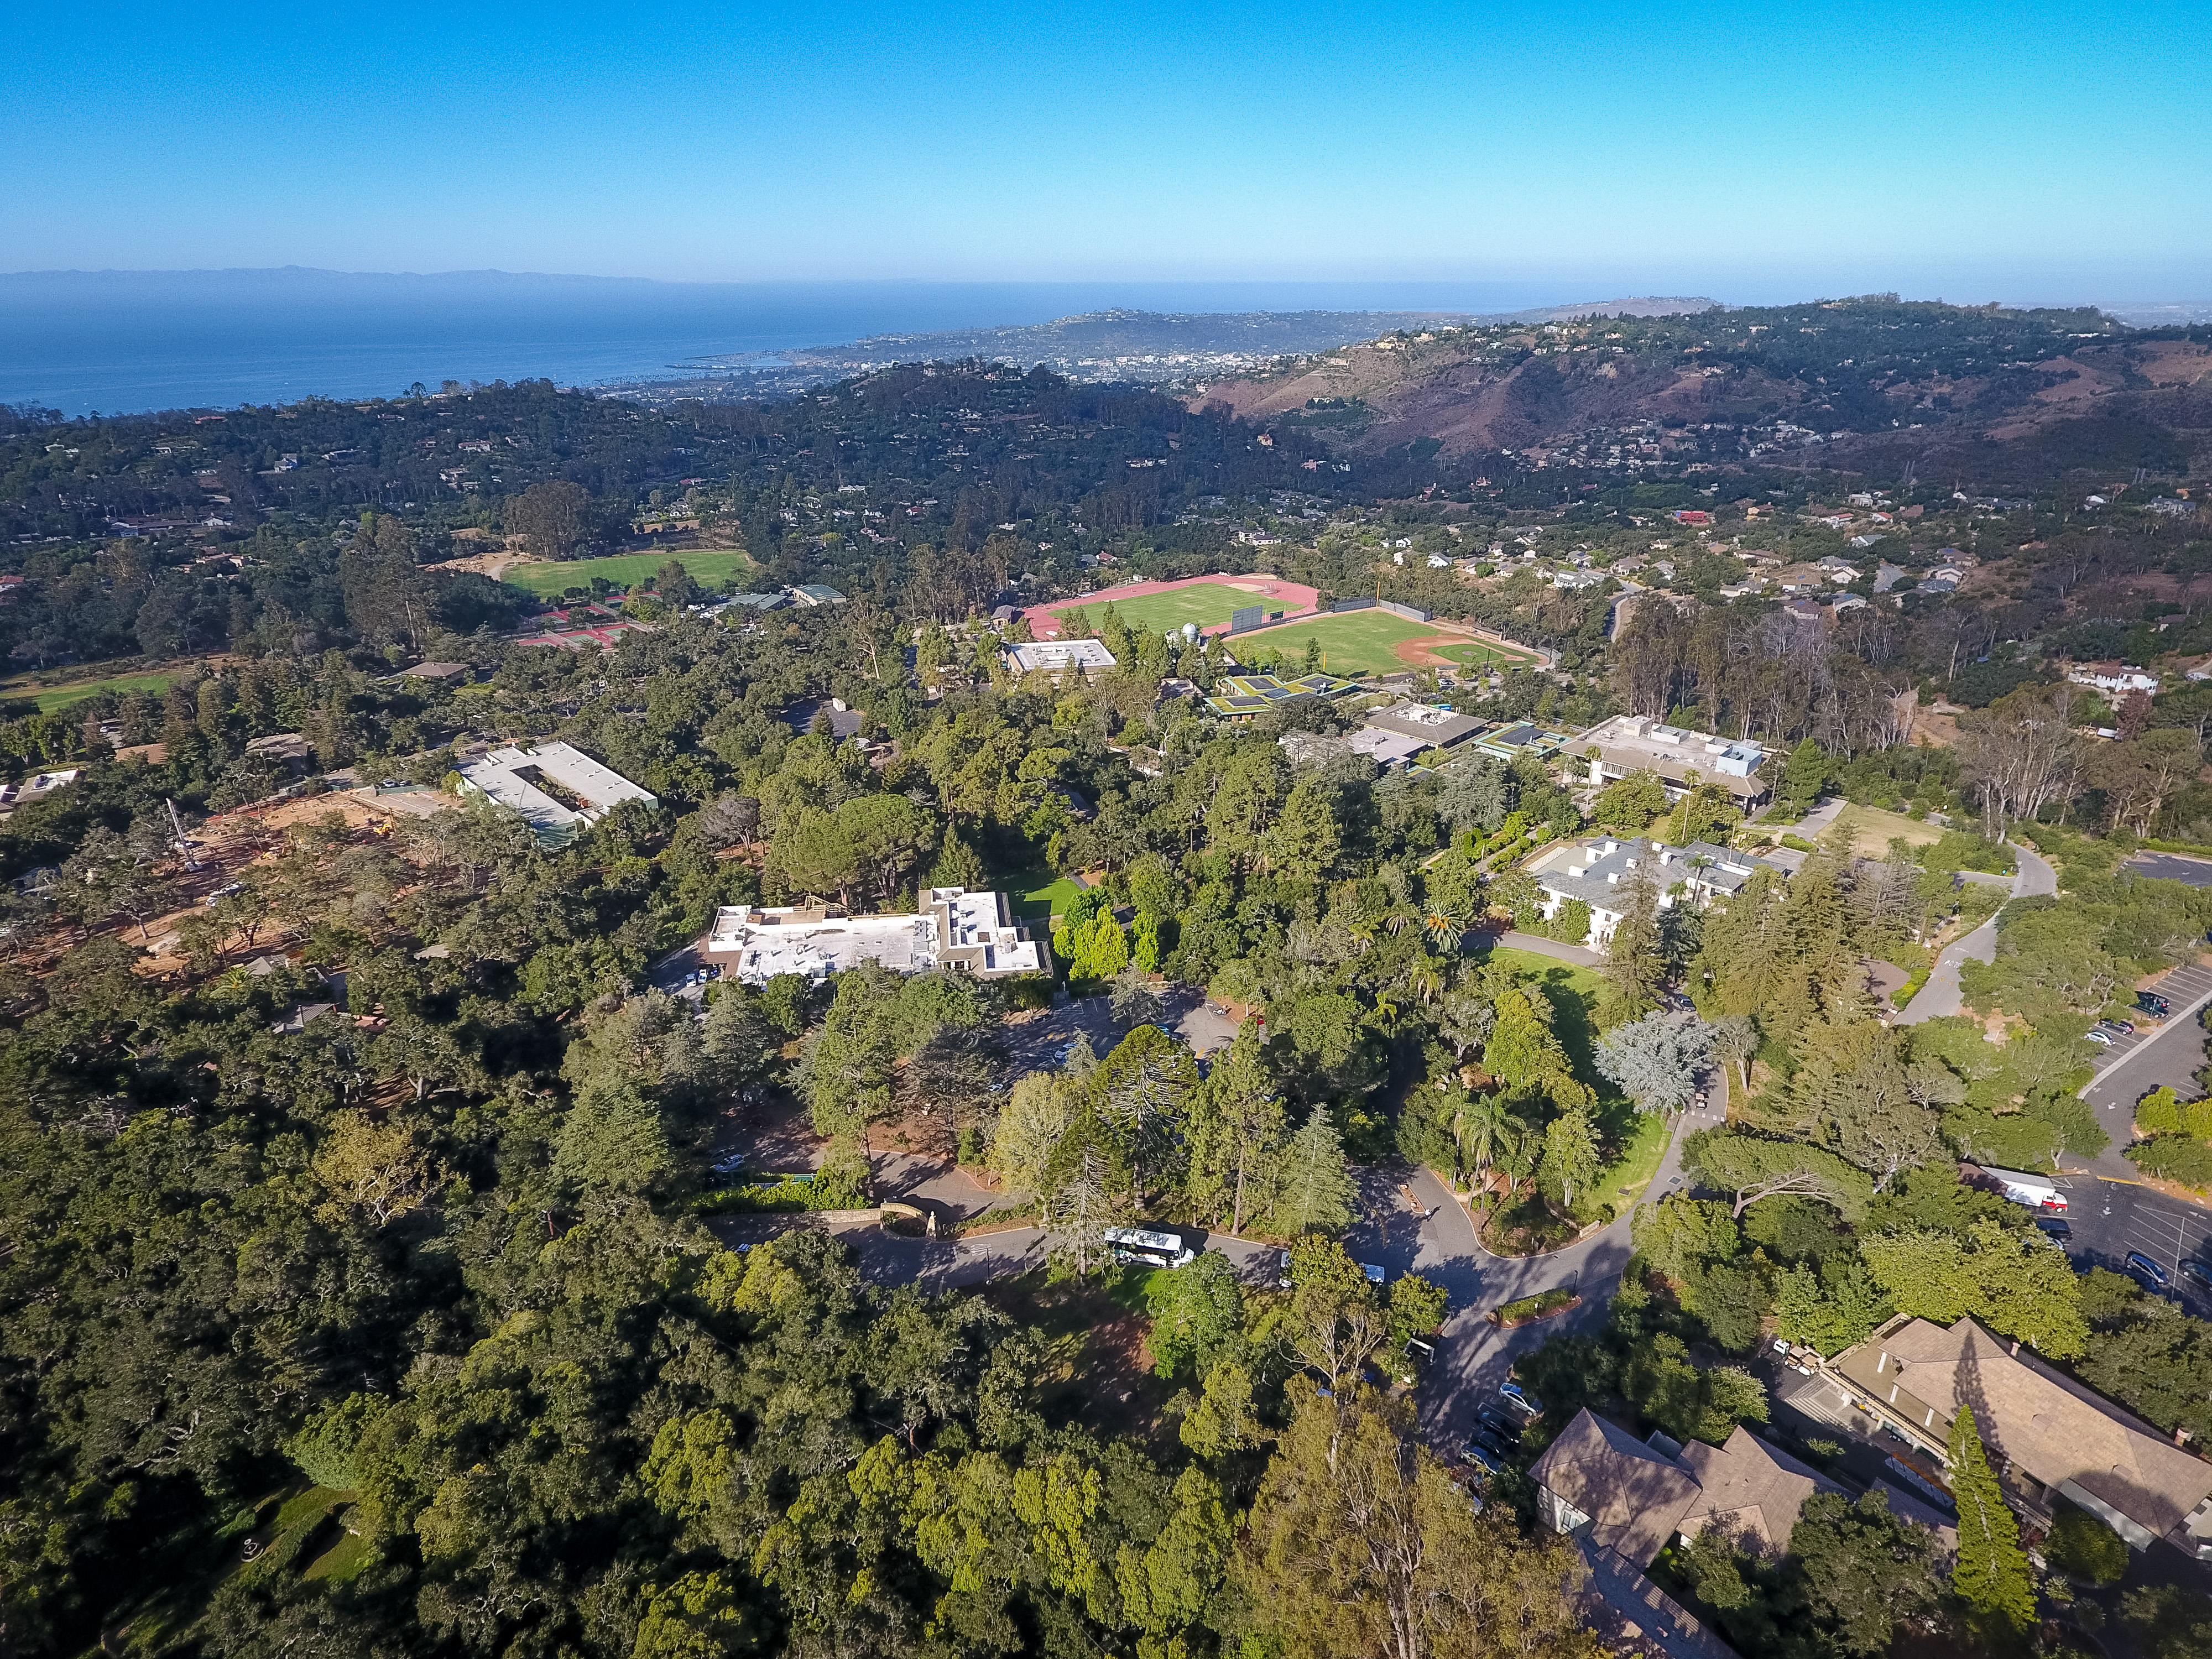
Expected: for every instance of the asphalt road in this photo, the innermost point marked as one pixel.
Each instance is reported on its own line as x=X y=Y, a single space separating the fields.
x=1941 y=995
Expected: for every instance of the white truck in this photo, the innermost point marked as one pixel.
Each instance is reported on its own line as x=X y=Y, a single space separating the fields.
x=2036 y=1192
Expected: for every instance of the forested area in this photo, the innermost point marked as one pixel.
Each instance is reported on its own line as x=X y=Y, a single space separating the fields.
x=419 y=1326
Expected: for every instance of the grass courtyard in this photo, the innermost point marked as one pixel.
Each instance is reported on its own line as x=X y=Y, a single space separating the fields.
x=1351 y=641
x=551 y=580
x=1207 y=603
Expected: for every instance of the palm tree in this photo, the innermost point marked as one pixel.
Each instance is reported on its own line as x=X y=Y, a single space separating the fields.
x=1443 y=928
x=1426 y=977
x=1483 y=1129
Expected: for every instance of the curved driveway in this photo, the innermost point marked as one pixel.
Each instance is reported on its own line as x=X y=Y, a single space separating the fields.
x=1941 y=995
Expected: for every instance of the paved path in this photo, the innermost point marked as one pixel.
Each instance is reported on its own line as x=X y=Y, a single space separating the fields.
x=1941 y=995
x=1581 y=956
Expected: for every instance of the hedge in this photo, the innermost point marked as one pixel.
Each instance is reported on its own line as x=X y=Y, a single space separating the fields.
x=1543 y=1304
x=794 y=1193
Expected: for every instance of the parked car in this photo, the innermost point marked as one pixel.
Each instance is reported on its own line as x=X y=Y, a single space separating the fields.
x=2153 y=1276
x=729 y=1163
x=1489 y=1461
x=2153 y=1004
x=2116 y=1027
x=1496 y=1445
x=2103 y=1039
x=2199 y=1274
x=1498 y=1423
x=2055 y=1226
x=1374 y=1274
x=1283 y=1269
x=1520 y=1400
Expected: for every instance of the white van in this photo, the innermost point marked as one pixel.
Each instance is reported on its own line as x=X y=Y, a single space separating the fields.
x=1152 y=1248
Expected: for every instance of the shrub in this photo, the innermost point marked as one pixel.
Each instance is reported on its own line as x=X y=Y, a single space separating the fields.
x=792 y=1193
x=2081 y=1546
x=2182 y=1159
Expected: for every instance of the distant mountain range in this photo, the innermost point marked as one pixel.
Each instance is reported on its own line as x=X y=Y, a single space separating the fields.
x=1991 y=392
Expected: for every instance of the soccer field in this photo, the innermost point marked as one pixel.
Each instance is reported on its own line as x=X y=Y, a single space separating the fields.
x=1351 y=641
x=1205 y=604
x=623 y=569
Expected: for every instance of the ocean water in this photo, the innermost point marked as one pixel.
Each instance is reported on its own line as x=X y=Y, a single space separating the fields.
x=119 y=342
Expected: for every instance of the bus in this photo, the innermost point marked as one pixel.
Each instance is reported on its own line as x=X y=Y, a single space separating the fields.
x=1153 y=1249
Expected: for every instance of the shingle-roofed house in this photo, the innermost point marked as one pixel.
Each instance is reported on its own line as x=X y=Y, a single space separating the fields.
x=2047 y=1434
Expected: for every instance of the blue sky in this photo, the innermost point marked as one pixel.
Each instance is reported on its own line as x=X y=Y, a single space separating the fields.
x=2025 y=150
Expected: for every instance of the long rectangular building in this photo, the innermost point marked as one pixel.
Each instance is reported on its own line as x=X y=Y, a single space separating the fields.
x=963 y=932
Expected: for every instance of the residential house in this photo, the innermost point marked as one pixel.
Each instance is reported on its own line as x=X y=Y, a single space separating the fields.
x=1601 y=871
x=2047 y=1436
x=37 y=786
x=1805 y=610
x=2118 y=679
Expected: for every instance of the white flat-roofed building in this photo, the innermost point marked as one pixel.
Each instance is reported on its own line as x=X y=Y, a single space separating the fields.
x=963 y=932
x=1053 y=655
x=560 y=789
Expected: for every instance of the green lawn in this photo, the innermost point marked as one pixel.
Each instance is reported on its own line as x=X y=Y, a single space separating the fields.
x=1204 y=602
x=52 y=697
x=1037 y=893
x=624 y=570
x=1351 y=641
x=1872 y=829
x=1642 y=1150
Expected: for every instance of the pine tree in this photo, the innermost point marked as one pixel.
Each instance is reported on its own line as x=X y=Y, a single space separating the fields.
x=1991 y=1573
x=1633 y=967
x=1316 y=1192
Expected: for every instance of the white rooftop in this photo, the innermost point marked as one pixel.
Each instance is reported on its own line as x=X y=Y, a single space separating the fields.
x=971 y=933
x=1060 y=654
x=582 y=792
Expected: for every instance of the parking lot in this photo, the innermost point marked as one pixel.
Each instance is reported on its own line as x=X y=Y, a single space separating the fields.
x=2170 y=1051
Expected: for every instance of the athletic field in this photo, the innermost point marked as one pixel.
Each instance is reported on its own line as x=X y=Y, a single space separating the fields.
x=1207 y=603
x=1481 y=654
x=1375 y=642
x=622 y=570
